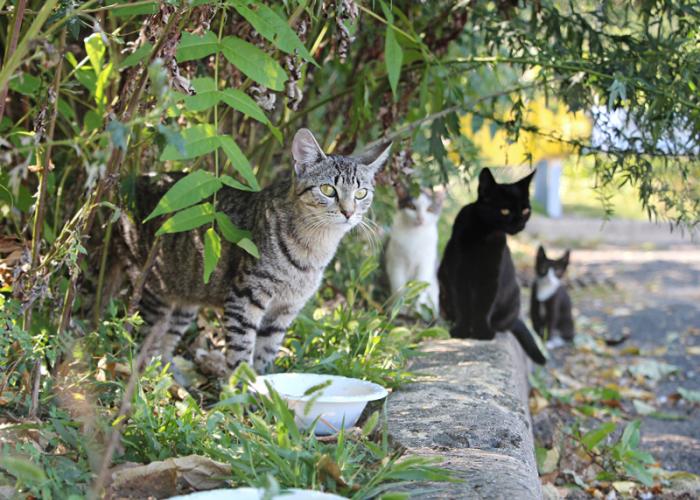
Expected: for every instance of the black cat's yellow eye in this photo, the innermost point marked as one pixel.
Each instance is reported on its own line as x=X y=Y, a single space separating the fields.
x=327 y=190
x=361 y=194
x=505 y=211
x=526 y=211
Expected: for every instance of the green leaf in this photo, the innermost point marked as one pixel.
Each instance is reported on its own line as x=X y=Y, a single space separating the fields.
x=23 y=470
x=118 y=134
x=242 y=102
x=239 y=160
x=191 y=189
x=231 y=182
x=206 y=95
x=249 y=247
x=196 y=47
x=95 y=48
x=370 y=424
x=24 y=83
x=212 y=252
x=393 y=54
x=198 y=140
x=228 y=228
x=254 y=63
x=137 y=56
x=235 y=235
x=135 y=10
x=189 y=218
x=271 y=26
x=631 y=436
x=639 y=472
x=393 y=57
x=592 y=438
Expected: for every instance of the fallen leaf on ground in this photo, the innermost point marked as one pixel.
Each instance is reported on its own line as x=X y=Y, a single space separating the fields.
x=653 y=370
x=693 y=350
x=168 y=478
x=689 y=395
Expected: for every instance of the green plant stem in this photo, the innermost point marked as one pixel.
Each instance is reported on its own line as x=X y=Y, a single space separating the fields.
x=19 y=16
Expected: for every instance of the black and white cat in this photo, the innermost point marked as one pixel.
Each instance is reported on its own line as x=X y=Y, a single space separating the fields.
x=412 y=251
x=479 y=292
x=550 y=304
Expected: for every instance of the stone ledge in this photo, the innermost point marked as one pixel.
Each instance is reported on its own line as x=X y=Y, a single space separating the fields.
x=470 y=407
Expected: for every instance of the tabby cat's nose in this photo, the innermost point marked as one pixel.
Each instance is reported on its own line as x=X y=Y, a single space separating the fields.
x=347 y=213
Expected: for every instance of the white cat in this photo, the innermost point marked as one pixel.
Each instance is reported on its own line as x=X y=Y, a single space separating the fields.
x=412 y=251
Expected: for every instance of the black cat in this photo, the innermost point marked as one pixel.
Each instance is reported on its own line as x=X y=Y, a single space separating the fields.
x=550 y=304
x=479 y=293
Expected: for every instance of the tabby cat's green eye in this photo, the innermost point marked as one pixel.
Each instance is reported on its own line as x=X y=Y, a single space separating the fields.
x=360 y=194
x=505 y=211
x=327 y=190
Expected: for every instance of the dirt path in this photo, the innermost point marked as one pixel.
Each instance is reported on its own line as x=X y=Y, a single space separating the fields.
x=656 y=303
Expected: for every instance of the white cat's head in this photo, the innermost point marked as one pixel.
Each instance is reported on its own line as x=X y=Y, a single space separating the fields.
x=421 y=210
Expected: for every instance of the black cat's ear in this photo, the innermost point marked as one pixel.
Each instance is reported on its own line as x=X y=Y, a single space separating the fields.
x=486 y=181
x=305 y=150
x=374 y=157
x=565 y=258
x=541 y=254
x=524 y=183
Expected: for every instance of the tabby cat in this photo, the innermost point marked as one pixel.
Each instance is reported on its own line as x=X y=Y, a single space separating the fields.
x=479 y=292
x=550 y=304
x=296 y=222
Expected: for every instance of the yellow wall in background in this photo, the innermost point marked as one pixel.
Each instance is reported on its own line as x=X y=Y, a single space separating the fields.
x=550 y=117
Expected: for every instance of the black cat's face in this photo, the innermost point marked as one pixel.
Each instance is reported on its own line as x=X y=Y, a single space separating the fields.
x=504 y=207
x=543 y=264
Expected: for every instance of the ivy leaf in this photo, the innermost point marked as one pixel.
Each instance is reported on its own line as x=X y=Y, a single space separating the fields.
x=271 y=26
x=191 y=189
x=595 y=436
x=196 y=47
x=190 y=218
x=137 y=56
x=254 y=63
x=212 y=252
x=198 y=140
x=239 y=160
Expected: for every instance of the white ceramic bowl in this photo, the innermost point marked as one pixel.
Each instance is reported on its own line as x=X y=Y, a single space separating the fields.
x=256 y=494
x=341 y=403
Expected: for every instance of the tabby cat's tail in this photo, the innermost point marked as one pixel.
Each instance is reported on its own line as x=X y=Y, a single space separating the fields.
x=527 y=340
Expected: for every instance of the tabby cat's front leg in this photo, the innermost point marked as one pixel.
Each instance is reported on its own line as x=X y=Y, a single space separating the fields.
x=243 y=313
x=271 y=335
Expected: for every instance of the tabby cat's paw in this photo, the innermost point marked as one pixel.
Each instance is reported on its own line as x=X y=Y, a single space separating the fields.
x=211 y=363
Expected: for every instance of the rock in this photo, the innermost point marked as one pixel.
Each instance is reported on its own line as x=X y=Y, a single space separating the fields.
x=470 y=407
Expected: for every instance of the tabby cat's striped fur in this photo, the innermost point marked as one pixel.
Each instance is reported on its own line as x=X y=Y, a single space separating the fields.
x=296 y=222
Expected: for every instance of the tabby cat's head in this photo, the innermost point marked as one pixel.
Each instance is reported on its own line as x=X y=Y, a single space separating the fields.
x=334 y=190
x=504 y=207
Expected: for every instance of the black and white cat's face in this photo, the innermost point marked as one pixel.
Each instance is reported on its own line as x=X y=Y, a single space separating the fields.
x=422 y=210
x=504 y=207
x=545 y=265
x=334 y=190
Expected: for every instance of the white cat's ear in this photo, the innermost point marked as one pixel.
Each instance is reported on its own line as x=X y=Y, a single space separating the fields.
x=305 y=149
x=375 y=157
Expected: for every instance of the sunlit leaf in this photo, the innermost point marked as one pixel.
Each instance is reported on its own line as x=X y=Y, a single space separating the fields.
x=271 y=26
x=239 y=160
x=190 y=218
x=191 y=189
x=253 y=62
x=212 y=252
x=196 y=46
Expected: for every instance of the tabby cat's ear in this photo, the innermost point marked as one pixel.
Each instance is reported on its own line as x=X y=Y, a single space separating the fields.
x=305 y=150
x=375 y=157
x=486 y=182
